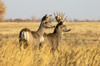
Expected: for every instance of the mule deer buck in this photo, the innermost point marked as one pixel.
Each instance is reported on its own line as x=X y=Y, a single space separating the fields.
x=53 y=39
x=35 y=38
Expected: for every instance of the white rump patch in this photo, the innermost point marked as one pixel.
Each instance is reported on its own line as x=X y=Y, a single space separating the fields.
x=25 y=35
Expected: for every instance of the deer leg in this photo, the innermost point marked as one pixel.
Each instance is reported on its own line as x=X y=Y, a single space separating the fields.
x=25 y=45
x=40 y=45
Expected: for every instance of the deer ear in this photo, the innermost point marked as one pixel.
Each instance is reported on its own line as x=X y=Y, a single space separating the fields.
x=49 y=17
x=44 y=18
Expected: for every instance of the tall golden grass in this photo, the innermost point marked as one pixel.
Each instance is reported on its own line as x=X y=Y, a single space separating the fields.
x=79 y=47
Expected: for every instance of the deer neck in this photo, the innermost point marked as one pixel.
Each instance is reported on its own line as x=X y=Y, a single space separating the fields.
x=58 y=32
x=41 y=31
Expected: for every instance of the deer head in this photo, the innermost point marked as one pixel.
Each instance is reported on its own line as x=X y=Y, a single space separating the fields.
x=45 y=22
x=61 y=27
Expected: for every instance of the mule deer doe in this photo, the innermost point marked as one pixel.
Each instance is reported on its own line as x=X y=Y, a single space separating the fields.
x=53 y=39
x=35 y=38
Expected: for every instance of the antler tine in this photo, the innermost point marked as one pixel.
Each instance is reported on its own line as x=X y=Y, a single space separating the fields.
x=57 y=14
x=62 y=15
x=65 y=19
x=54 y=14
x=59 y=17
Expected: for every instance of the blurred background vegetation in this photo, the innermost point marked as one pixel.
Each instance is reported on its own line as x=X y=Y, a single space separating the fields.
x=2 y=10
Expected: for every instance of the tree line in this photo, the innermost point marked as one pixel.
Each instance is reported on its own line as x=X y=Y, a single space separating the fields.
x=52 y=20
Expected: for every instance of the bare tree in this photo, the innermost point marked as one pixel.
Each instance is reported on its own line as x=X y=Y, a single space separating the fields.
x=2 y=10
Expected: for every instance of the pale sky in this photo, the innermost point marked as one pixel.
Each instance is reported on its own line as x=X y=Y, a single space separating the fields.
x=74 y=9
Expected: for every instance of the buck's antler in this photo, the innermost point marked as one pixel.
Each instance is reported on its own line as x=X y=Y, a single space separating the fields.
x=59 y=17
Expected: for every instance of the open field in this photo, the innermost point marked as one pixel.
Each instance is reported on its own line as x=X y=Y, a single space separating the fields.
x=79 y=47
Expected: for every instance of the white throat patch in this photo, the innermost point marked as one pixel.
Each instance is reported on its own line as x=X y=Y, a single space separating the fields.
x=62 y=33
x=42 y=39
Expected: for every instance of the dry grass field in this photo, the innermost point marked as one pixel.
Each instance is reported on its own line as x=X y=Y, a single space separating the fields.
x=79 y=47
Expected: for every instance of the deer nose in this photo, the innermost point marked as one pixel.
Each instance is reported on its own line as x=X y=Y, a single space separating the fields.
x=69 y=29
x=54 y=26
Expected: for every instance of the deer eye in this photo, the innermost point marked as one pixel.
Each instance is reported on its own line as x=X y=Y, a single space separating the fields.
x=62 y=27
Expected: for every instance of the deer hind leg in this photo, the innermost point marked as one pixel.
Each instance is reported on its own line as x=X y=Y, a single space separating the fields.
x=52 y=51
x=23 y=44
x=24 y=37
x=41 y=45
